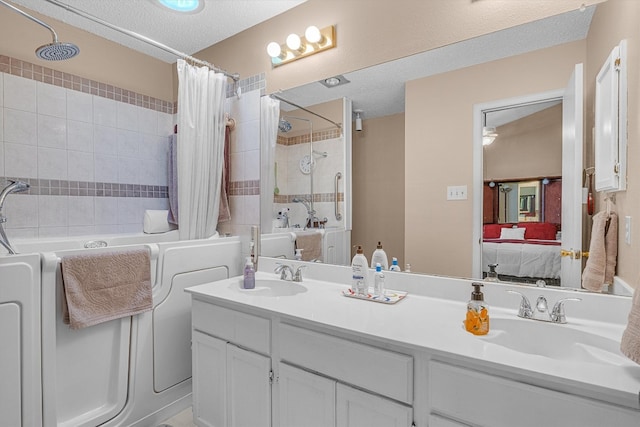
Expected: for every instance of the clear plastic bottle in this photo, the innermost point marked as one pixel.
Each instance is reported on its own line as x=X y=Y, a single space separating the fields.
x=249 y=275
x=359 y=269
x=477 y=319
x=394 y=265
x=380 y=256
x=378 y=282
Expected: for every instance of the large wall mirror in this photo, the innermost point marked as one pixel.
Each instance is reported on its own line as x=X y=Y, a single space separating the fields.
x=536 y=187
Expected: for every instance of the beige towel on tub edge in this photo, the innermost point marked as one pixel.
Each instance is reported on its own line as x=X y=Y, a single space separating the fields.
x=103 y=286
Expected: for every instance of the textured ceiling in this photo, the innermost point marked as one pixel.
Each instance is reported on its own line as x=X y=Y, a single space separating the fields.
x=379 y=90
x=220 y=19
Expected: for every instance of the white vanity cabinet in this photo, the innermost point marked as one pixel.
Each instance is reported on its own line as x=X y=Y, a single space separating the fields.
x=465 y=396
x=306 y=399
x=231 y=382
x=317 y=382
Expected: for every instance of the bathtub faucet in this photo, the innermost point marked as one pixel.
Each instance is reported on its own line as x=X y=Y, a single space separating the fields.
x=13 y=187
x=312 y=220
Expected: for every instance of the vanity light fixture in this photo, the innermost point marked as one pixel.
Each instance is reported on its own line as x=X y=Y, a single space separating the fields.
x=488 y=135
x=315 y=40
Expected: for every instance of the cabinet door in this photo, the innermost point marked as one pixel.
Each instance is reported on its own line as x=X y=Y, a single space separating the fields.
x=306 y=399
x=355 y=408
x=209 y=357
x=248 y=388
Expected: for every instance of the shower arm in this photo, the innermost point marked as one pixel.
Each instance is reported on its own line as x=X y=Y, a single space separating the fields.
x=235 y=76
x=31 y=18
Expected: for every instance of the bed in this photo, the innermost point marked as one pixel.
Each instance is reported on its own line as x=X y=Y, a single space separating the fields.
x=524 y=252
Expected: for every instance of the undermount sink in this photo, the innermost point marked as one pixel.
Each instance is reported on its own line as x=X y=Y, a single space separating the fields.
x=270 y=288
x=554 y=341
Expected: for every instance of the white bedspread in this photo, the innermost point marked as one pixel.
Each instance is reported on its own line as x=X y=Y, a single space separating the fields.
x=522 y=259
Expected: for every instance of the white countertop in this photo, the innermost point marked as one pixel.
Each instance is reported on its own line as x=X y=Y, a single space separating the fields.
x=434 y=325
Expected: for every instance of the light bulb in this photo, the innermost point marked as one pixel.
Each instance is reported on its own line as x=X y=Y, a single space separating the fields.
x=274 y=50
x=312 y=34
x=293 y=41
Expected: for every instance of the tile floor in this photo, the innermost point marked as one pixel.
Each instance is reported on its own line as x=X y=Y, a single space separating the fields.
x=183 y=419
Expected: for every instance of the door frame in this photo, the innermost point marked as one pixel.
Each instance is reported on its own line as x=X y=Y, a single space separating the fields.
x=478 y=162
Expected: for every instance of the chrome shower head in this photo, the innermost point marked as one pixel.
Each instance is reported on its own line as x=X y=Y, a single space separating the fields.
x=55 y=51
x=284 y=126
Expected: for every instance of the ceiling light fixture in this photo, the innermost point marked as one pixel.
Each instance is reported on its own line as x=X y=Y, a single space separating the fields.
x=182 y=6
x=358 y=126
x=334 y=81
x=488 y=135
x=315 y=40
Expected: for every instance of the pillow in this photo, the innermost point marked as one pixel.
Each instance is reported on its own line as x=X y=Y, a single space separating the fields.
x=512 y=233
x=539 y=230
x=492 y=231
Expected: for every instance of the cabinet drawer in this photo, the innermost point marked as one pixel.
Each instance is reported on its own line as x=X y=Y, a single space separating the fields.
x=381 y=371
x=486 y=400
x=245 y=330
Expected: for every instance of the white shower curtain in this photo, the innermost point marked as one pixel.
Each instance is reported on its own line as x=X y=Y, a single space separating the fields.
x=201 y=127
x=269 y=116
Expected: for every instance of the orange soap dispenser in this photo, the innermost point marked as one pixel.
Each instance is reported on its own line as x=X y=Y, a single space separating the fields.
x=477 y=321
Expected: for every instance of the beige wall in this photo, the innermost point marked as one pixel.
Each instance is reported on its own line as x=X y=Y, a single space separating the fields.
x=99 y=59
x=372 y=32
x=378 y=187
x=438 y=151
x=527 y=148
x=614 y=21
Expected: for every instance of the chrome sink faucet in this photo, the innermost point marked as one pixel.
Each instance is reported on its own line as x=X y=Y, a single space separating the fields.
x=541 y=309
x=282 y=269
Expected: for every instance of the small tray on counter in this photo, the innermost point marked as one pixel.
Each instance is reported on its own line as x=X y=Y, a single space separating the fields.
x=390 y=296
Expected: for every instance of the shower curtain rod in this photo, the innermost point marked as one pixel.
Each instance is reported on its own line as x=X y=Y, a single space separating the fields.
x=273 y=95
x=234 y=76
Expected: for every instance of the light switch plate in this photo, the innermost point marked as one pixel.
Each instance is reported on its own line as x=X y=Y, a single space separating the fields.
x=457 y=192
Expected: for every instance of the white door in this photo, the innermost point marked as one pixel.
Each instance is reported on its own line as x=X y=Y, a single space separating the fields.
x=355 y=408
x=209 y=357
x=248 y=388
x=572 y=140
x=306 y=399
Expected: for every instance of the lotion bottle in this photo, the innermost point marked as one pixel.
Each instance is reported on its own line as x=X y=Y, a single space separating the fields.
x=359 y=268
x=380 y=256
x=249 y=275
x=477 y=320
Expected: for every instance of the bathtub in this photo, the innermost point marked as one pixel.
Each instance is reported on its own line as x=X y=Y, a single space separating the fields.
x=134 y=371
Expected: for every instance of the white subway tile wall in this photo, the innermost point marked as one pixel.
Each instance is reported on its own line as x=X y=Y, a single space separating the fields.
x=96 y=155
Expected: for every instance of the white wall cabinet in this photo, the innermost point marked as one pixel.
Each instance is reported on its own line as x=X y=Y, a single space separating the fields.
x=232 y=387
x=610 y=132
